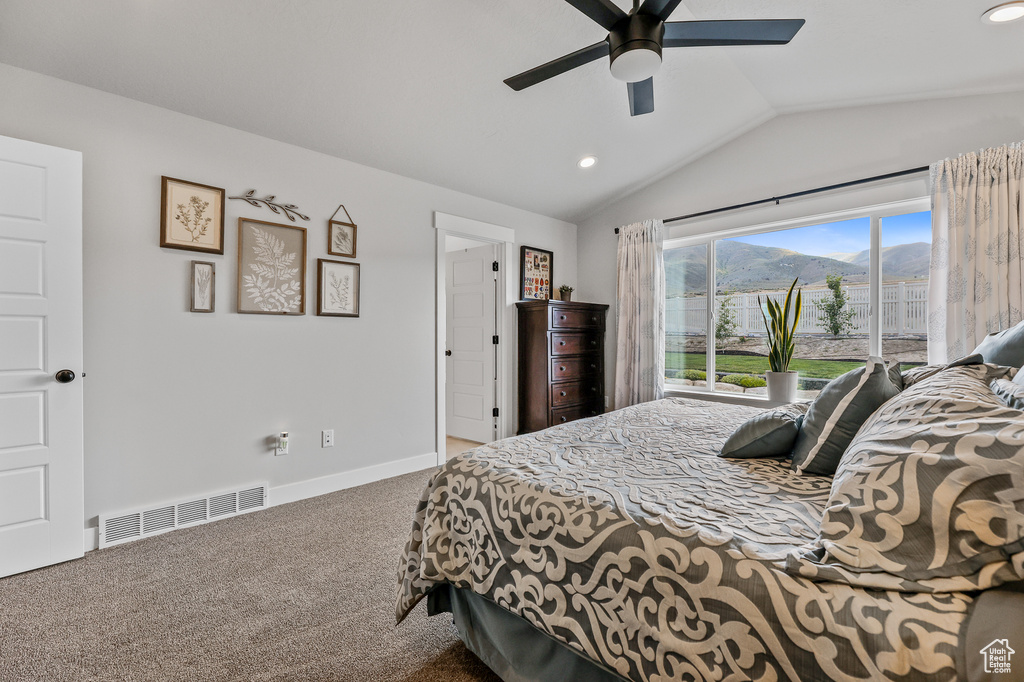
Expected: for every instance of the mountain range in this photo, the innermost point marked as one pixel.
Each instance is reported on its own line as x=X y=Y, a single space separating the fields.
x=742 y=267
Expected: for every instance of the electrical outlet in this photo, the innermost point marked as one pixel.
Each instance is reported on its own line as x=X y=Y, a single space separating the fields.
x=327 y=438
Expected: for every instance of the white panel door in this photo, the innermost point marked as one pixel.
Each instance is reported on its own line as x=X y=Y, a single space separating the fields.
x=41 y=486
x=470 y=372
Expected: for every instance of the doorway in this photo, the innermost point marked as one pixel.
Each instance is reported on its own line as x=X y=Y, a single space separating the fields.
x=471 y=348
x=472 y=319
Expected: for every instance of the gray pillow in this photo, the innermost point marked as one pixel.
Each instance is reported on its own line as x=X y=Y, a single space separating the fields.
x=1008 y=392
x=928 y=496
x=916 y=374
x=769 y=434
x=1005 y=347
x=837 y=413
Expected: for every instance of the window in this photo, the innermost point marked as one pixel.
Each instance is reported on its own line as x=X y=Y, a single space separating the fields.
x=857 y=300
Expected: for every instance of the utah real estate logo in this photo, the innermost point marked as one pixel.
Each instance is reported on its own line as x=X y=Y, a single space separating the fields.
x=997 y=656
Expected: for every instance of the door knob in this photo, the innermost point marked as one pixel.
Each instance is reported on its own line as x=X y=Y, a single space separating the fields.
x=64 y=376
x=448 y=353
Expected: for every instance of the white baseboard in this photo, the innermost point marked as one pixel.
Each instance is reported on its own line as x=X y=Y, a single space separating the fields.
x=92 y=538
x=293 y=492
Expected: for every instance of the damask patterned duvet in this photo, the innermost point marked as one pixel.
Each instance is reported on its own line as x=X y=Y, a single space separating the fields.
x=627 y=538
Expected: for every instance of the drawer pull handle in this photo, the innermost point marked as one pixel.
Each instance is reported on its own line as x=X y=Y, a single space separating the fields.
x=564 y=419
x=593 y=366
x=594 y=318
x=561 y=317
x=561 y=343
x=593 y=343
x=593 y=389
x=561 y=369
x=562 y=393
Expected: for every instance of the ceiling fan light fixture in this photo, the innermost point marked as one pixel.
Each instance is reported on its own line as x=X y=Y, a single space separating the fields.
x=636 y=64
x=1005 y=13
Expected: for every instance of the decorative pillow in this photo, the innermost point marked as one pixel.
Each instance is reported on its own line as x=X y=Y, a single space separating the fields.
x=769 y=434
x=1005 y=347
x=929 y=497
x=916 y=374
x=1009 y=393
x=837 y=413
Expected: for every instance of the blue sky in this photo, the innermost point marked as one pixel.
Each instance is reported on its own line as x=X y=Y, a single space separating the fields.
x=847 y=236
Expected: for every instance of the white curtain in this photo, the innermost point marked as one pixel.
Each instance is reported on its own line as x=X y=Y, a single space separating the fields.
x=976 y=268
x=640 y=311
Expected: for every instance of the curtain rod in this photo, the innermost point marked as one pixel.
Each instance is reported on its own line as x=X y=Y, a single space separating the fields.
x=816 y=190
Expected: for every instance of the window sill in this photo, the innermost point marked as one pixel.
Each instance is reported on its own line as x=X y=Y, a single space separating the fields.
x=732 y=398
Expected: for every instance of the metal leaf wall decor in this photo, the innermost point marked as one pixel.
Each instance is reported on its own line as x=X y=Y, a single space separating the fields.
x=287 y=209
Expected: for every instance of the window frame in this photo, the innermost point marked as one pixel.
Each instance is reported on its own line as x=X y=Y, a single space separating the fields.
x=875 y=213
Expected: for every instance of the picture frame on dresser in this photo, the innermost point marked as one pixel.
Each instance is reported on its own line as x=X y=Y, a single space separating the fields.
x=536 y=273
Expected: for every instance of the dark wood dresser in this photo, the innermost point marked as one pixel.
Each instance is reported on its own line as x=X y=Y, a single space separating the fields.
x=561 y=362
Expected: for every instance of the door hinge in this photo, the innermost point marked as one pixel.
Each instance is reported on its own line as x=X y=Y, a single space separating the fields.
x=494 y=412
x=494 y=339
x=494 y=266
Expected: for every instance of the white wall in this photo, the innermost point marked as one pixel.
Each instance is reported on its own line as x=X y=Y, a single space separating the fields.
x=180 y=403
x=796 y=152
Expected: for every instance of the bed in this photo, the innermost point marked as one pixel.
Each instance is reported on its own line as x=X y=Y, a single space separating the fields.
x=624 y=547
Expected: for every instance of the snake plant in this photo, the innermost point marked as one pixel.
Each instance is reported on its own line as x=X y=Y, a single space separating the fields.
x=780 y=332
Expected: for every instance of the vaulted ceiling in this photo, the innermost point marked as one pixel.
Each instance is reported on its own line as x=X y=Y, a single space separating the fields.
x=415 y=87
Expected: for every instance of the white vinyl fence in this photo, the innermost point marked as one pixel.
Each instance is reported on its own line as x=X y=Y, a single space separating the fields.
x=904 y=310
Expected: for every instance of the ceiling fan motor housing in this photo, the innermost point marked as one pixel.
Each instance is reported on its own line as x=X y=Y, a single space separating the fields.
x=636 y=32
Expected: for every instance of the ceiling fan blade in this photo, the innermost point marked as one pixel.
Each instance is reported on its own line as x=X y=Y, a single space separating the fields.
x=557 y=66
x=730 y=32
x=604 y=12
x=659 y=8
x=641 y=97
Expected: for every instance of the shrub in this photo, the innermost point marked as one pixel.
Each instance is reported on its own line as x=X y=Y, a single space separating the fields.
x=838 y=318
x=694 y=375
x=744 y=380
x=725 y=320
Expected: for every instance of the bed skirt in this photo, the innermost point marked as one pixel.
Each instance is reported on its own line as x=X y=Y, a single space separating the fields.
x=509 y=645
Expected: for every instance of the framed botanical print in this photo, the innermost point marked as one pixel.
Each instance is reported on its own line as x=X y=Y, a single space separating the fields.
x=337 y=288
x=202 y=287
x=341 y=235
x=271 y=268
x=191 y=216
x=535 y=266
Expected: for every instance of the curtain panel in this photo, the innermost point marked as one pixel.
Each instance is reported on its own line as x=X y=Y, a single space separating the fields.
x=640 y=314
x=976 y=267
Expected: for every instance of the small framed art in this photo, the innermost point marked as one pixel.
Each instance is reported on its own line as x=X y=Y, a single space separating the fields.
x=341 y=235
x=191 y=216
x=338 y=288
x=536 y=267
x=203 y=291
x=271 y=268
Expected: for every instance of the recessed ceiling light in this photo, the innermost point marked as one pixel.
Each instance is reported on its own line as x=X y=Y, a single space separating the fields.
x=587 y=161
x=1001 y=14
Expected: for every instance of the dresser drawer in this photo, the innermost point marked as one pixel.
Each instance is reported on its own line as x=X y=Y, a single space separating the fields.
x=568 y=369
x=564 y=318
x=570 y=343
x=575 y=412
x=572 y=392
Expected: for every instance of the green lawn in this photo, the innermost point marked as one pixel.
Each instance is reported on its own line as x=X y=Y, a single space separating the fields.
x=753 y=364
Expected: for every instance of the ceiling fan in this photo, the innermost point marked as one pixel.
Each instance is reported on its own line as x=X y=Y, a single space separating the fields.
x=635 y=41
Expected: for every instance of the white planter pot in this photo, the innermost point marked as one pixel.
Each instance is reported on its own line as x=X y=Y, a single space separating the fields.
x=781 y=386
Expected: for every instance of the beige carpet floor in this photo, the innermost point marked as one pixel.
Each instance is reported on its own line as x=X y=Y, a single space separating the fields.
x=302 y=592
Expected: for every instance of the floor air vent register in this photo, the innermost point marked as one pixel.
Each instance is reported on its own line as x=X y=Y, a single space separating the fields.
x=127 y=526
